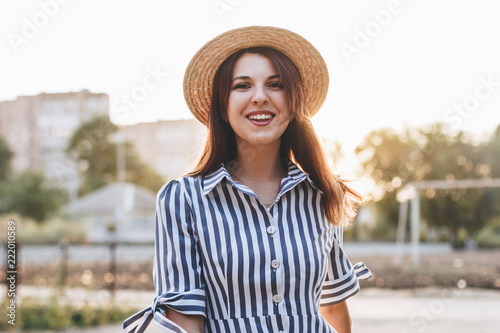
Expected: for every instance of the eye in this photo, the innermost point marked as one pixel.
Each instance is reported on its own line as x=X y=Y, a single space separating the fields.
x=275 y=85
x=241 y=86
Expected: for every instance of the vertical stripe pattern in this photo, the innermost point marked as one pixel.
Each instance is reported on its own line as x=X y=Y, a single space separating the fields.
x=221 y=254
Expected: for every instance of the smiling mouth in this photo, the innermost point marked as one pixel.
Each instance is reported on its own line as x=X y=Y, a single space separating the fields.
x=262 y=117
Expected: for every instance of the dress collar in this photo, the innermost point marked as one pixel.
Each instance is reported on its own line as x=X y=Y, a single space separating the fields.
x=293 y=177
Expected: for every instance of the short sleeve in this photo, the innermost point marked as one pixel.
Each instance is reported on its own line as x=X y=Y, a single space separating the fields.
x=341 y=280
x=176 y=265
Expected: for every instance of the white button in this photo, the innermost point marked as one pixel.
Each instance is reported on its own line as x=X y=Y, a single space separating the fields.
x=275 y=264
x=277 y=298
x=271 y=230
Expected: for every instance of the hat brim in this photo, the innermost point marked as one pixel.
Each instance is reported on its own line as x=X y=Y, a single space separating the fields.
x=201 y=70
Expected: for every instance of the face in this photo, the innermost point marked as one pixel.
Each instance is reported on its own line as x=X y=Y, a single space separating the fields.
x=257 y=107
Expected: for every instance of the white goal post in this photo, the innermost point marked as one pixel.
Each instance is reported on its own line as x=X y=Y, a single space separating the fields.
x=410 y=194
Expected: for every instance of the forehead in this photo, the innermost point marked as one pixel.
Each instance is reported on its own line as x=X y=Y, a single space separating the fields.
x=253 y=64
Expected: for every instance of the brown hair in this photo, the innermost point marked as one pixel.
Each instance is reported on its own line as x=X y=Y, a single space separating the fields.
x=299 y=142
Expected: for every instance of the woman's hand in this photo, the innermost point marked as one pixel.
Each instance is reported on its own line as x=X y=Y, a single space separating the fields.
x=338 y=316
x=190 y=323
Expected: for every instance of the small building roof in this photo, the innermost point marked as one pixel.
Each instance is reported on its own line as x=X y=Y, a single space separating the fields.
x=107 y=199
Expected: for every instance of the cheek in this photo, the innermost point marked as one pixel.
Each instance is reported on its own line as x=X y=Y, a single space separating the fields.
x=229 y=111
x=282 y=102
x=233 y=113
x=284 y=111
x=234 y=104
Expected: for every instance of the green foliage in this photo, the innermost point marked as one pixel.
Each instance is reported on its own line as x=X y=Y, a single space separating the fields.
x=28 y=195
x=50 y=232
x=492 y=153
x=34 y=314
x=363 y=229
x=395 y=159
x=454 y=157
x=5 y=157
x=491 y=157
x=489 y=236
x=388 y=157
x=140 y=173
x=92 y=146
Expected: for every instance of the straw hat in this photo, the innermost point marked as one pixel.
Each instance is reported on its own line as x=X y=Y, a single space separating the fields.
x=201 y=70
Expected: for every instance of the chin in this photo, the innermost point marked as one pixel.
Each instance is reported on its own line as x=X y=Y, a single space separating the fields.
x=265 y=141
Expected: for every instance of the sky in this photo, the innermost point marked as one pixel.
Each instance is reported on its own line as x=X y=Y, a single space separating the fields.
x=392 y=63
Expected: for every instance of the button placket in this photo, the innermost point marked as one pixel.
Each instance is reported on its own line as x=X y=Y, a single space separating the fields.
x=276 y=263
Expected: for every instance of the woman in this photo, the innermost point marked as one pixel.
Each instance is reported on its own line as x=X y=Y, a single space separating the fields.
x=250 y=240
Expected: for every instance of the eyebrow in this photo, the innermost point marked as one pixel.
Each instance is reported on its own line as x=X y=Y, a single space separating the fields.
x=246 y=77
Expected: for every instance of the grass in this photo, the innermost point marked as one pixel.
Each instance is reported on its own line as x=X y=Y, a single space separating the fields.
x=33 y=314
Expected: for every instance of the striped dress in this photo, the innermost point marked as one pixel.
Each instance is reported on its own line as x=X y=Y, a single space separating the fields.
x=222 y=254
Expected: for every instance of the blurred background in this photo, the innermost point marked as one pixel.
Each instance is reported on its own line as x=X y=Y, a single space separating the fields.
x=93 y=123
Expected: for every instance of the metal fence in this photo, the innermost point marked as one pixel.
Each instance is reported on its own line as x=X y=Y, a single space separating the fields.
x=93 y=266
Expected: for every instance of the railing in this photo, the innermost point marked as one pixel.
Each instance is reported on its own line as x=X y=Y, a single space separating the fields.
x=104 y=265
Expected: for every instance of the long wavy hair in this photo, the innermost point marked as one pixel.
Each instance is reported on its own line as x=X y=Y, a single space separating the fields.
x=299 y=142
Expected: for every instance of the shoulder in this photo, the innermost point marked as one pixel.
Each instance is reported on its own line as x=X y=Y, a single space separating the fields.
x=184 y=186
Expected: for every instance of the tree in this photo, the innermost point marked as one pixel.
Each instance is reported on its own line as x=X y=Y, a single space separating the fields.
x=492 y=153
x=5 y=157
x=92 y=146
x=453 y=157
x=390 y=159
x=490 y=204
x=396 y=159
x=28 y=195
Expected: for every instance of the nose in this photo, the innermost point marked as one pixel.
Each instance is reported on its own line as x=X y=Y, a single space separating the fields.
x=260 y=96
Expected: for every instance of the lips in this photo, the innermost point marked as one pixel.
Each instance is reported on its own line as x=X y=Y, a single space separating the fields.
x=261 y=117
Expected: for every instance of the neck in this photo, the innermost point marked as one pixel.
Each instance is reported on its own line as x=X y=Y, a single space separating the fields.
x=258 y=162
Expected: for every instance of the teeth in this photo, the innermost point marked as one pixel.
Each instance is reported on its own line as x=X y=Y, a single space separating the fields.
x=260 y=117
